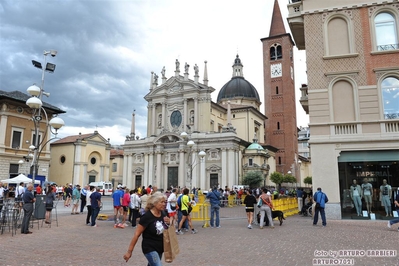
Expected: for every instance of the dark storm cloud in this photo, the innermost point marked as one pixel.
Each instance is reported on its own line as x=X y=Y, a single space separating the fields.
x=97 y=79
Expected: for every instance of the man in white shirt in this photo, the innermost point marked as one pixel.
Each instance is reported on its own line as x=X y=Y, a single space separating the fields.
x=19 y=191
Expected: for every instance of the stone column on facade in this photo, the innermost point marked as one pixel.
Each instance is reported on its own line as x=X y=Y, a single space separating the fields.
x=232 y=175
x=163 y=114
x=203 y=178
x=196 y=116
x=85 y=179
x=239 y=163
x=151 y=169
x=146 y=181
x=224 y=165
x=185 y=116
x=159 y=167
x=102 y=173
x=154 y=120
x=194 y=169
x=129 y=178
x=182 y=166
x=3 y=125
x=125 y=169
x=228 y=113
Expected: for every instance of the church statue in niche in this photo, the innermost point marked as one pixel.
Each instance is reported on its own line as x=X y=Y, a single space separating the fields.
x=159 y=120
x=192 y=117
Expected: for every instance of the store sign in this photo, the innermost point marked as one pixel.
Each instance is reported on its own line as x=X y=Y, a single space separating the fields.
x=372 y=173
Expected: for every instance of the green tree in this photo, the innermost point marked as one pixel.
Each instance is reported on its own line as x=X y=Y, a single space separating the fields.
x=308 y=180
x=288 y=178
x=252 y=179
x=277 y=178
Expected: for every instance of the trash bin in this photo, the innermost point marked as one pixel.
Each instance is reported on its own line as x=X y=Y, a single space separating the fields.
x=40 y=207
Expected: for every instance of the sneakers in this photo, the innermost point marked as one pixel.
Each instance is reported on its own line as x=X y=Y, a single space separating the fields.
x=185 y=229
x=125 y=224
x=218 y=226
x=389 y=225
x=193 y=231
x=94 y=225
x=260 y=227
x=180 y=232
x=88 y=224
x=249 y=226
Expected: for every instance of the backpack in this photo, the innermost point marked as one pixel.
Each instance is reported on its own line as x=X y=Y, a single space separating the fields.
x=179 y=201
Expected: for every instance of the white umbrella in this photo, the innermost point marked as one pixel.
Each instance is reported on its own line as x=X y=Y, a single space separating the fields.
x=18 y=179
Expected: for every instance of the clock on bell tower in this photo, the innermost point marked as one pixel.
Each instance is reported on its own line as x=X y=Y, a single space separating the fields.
x=279 y=93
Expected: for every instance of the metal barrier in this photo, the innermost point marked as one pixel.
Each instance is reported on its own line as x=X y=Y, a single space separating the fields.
x=232 y=208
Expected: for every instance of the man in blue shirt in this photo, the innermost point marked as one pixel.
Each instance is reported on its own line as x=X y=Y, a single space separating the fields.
x=321 y=199
x=95 y=200
x=214 y=199
x=117 y=197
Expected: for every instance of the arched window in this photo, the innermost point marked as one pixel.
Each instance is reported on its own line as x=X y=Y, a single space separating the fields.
x=278 y=125
x=338 y=36
x=386 y=32
x=390 y=97
x=276 y=52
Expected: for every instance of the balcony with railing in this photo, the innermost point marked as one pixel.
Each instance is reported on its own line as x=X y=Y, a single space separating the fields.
x=304 y=98
x=295 y=21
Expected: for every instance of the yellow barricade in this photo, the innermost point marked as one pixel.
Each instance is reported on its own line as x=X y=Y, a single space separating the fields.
x=201 y=213
x=231 y=200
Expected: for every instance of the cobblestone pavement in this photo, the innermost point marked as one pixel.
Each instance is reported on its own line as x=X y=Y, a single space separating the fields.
x=293 y=243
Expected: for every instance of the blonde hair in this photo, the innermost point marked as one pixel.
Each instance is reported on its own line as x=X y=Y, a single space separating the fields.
x=154 y=199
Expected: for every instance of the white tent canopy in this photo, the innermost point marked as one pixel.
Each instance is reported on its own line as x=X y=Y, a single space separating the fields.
x=18 y=179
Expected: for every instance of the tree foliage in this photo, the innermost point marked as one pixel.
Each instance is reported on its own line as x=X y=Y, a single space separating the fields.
x=279 y=178
x=308 y=180
x=252 y=179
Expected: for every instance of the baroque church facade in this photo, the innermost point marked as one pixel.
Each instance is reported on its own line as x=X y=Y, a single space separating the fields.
x=194 y=142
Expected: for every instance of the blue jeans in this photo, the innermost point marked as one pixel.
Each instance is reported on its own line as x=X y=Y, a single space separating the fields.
x=154 y=258
x=215 y=211
x=316 y=216
x=94 y=215
x=358 y=204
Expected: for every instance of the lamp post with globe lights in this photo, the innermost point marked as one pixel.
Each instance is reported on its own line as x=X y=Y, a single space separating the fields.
x=39 y=114
x=191 y=160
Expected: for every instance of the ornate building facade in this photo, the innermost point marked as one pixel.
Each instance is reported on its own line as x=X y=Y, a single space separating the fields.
x=352 y=96
x=192 y=141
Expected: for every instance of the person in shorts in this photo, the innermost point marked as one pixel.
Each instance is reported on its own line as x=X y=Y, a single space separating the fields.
x=250 y=202
x=50 y=197
x=117 y=197
x=185 y=204
x=171 y=206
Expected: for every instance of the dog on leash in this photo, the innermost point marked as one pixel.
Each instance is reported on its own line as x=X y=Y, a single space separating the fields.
x=275 y=214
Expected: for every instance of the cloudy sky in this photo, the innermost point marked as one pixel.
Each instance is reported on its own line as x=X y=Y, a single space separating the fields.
x=107 y=50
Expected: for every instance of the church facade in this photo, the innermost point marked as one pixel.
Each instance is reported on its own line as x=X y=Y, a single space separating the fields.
x=194 y=142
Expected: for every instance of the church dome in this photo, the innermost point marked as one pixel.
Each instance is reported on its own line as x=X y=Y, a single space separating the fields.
x=238 y=86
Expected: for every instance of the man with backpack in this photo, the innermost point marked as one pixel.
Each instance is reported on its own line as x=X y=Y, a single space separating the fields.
x=214 y=199
x=321 y=199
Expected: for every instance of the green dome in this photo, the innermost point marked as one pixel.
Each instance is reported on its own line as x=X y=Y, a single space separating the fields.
x=255 y=146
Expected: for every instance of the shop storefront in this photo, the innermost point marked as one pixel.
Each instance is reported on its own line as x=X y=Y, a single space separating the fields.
x=362 y=173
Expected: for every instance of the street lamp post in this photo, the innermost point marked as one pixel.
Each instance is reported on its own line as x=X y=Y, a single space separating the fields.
x=191 y=161
x=35 y=103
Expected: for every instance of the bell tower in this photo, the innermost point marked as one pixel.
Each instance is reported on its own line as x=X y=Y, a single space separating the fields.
x=279 y=93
